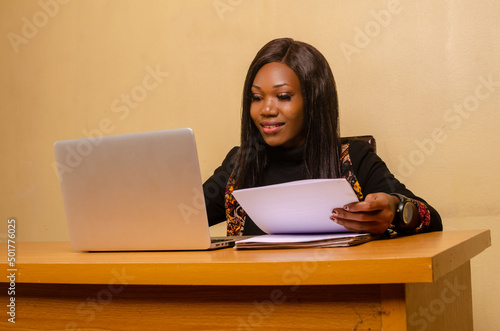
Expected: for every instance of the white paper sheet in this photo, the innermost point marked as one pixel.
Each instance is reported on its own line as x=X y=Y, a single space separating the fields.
x=303 y=206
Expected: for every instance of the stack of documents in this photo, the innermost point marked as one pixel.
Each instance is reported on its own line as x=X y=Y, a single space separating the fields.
x=297 y=214
x=303 y=240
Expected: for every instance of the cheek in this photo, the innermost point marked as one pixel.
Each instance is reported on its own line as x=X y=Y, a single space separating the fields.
x=296 y=116
x=298 y=123
x=254 y=113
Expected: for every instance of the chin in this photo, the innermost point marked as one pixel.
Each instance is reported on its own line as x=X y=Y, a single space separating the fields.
x=273 y=142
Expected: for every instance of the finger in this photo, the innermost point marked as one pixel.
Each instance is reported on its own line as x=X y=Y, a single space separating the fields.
x=373 y=222
x=354 y=216
x=373 y=202
x=360 y=227
x=355 y=226
x=377 y=216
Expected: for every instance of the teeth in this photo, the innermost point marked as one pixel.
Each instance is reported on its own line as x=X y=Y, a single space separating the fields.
x=271 y=126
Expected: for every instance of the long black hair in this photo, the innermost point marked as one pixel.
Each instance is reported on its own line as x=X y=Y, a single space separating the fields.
x=321 y=115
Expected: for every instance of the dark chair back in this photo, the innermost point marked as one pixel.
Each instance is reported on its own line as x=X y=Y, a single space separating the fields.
x=369 y=139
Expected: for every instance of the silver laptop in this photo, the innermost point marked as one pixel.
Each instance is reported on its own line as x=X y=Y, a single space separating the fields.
x=134 y=192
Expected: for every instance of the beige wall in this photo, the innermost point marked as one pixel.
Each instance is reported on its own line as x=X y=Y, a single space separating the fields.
x=422 y=76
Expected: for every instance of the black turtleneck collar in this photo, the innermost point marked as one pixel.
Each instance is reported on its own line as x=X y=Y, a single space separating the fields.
x=286 y=155
x=284 y=165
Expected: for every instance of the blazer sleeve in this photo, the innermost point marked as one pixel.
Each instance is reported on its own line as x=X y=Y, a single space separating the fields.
x=214 y=189
x=374 y=176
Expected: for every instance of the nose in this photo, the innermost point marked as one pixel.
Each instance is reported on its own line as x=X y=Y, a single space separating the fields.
x=269 y=108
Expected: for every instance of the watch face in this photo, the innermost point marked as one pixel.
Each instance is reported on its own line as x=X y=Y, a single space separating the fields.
x=409 y=213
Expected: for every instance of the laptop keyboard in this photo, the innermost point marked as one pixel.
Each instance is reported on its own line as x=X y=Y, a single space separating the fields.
x=218 y=240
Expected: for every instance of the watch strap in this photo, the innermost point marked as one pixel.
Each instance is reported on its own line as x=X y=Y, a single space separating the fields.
x=406 y=218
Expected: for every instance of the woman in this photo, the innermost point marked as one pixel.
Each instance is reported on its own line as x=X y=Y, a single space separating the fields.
x=290 y=131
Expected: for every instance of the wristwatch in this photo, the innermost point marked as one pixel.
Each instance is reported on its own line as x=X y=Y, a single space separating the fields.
x=406 y=219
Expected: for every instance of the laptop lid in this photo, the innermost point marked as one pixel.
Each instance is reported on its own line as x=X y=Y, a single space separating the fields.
x=139 y=191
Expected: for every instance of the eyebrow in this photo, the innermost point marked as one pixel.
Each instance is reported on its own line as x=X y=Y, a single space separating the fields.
x=275 y=86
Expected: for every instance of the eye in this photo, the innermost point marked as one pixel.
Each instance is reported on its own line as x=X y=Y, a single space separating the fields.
x=255 y=97
x=285 y=96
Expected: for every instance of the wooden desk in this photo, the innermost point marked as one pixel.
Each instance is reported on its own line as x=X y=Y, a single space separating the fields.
x=400 y=284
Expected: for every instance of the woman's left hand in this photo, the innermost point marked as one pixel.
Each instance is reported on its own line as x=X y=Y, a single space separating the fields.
x=373 y=215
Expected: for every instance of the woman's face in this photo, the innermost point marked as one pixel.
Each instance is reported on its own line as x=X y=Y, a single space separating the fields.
x=277 y=105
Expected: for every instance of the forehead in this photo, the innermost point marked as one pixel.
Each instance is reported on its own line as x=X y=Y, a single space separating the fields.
x=276 y=73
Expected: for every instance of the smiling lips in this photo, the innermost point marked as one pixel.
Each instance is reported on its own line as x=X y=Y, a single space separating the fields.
x=271 y=127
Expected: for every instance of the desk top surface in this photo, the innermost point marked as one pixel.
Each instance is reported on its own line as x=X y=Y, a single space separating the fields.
x=418 y=258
